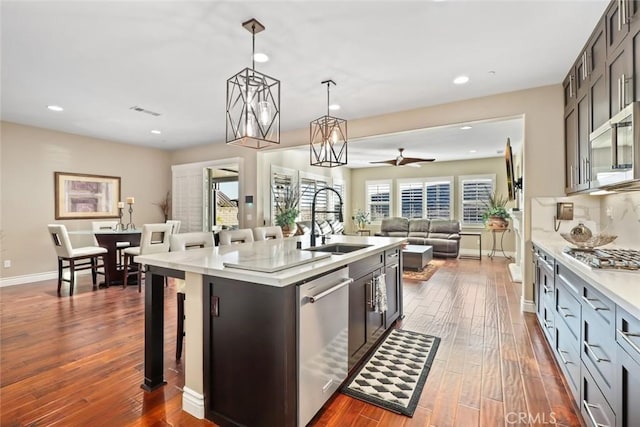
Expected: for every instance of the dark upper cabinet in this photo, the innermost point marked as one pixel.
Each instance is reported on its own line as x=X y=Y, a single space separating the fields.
x=571 y=149
x=569 y=87
x=596 y=60
x=620 y=78
x=617 y=23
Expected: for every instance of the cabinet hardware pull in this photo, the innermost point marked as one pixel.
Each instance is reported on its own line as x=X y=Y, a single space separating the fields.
x=562 y=357
x=626 y=335
x=619 y=94
x=331 y=290
x=598 y=359
x=588 y=301
x=571 y=176
x=215 y=306
x=547 y=324
x=395 y=255
x=570 y=85
x=623 y=79
x=372 y=300
x=545 y=289
x=588 y=407
x=619 y=15
x=561 y=311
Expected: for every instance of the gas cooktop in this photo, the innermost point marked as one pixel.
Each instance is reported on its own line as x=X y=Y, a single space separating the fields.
x=607 y=259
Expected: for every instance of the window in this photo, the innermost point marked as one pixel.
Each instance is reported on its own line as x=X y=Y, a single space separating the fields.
x=438 y=198
x=426 y=198
x=339 y=187
x=378 y=199
x=411 y=199
x=281 y=184
x=474 y=193
x=308 y=187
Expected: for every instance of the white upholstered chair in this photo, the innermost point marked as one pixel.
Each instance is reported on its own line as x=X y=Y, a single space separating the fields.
x=183 y=242
x=175 y=225
x=267 y=233
x=87 y=257
x=98 y=226
x=243 y=235
x=154 y=240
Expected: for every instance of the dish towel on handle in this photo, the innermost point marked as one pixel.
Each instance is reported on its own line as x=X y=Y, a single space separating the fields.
x=380 y=285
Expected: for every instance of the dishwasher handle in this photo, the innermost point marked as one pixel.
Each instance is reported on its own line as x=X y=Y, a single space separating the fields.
x=331 y=290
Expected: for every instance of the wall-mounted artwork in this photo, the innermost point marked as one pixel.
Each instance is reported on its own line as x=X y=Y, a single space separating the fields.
x=80 y=196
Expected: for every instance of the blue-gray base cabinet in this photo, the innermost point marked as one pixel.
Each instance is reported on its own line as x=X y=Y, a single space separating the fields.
x=595 y=342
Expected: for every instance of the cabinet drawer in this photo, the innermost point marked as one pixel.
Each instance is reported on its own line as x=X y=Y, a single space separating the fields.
x=599 y=306
x=595 y=409
x=598 y=351
x=569 y=357
x=367 y=265
x=392 y=256
x=628 y=333
x=568 y=309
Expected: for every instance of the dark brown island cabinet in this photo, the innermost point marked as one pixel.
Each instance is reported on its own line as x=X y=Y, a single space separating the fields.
x=595 y=342
x=250 y=340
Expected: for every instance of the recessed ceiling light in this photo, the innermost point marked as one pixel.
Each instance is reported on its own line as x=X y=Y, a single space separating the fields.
x=460 y=80
x=472 y=151
x=260 y=57
x=334 y=107
x=55 y=108
x=466 y=127
x=156 y=132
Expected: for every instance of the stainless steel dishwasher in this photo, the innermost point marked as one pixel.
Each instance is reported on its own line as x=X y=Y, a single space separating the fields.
x=323 y=353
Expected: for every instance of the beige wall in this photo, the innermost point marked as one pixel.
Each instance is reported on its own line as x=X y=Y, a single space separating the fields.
x=31 y=155
x=494 y=166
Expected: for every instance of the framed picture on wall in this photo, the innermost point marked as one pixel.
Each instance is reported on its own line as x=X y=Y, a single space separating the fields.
x=84 y=196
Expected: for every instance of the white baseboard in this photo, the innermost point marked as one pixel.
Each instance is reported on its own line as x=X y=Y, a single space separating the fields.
x=193 y=402
x=527 y=306
x=28 y=278
x=36 y=277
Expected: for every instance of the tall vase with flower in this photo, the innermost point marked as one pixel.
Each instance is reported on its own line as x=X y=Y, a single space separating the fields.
x=286 y=199
x=362 y=218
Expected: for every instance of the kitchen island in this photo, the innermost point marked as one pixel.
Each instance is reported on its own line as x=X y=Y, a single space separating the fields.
x=241 y=326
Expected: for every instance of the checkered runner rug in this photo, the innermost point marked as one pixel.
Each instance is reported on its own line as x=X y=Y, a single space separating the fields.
x=395 y=373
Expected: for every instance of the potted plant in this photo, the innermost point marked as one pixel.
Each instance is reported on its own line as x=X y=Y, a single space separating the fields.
x=362 y=218
x=286 y=199
x=495 y=216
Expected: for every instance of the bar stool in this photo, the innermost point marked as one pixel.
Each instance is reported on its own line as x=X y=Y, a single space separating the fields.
x=154 y=240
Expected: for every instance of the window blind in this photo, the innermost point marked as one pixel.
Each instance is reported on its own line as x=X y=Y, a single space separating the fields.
x=411 y=200
x=475 y=193
x=438 y=199
x=379 y=200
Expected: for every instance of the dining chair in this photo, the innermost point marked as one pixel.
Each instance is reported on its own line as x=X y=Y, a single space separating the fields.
x=154 y=240
x=243 y=235
x=175 y=225
x=97 y=226
x=87 y=255
x=267 y=233
x=184 y=242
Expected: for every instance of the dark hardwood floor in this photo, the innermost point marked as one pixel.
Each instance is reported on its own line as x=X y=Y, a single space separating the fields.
x=78 y=361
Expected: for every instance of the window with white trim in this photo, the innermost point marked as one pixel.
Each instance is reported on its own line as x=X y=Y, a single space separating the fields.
x=426 y=198
x=339 y=187
x=378 y=199
x=282 y=184
x=475 y=191
x=308 y=187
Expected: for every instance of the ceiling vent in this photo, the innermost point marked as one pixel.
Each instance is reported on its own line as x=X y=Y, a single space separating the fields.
x=142 y=110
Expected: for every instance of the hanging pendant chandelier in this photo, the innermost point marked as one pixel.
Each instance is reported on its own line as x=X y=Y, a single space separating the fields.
x=253 y=103
x=328 y=142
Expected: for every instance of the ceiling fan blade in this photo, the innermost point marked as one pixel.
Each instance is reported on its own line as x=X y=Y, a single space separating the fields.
x=408 y=160
x=388 y=162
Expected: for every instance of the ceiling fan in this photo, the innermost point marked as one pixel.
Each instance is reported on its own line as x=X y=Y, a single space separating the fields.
x=401 y=160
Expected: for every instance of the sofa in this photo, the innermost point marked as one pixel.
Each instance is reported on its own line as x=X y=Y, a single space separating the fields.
x=442 y=234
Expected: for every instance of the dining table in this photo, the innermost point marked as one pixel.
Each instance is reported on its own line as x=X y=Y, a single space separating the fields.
x=109 y=240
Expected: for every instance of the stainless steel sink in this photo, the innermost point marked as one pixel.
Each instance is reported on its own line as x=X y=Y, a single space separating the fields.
x=338 y=248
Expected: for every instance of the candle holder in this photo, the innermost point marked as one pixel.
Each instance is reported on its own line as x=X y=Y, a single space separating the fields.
x=120 y=226
x=130 y=225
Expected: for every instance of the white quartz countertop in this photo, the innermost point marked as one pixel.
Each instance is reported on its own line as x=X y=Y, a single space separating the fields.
x=622 y=287
x=211 y=261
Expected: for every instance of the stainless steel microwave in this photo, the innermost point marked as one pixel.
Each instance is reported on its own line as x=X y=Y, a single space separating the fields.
x=615 y=149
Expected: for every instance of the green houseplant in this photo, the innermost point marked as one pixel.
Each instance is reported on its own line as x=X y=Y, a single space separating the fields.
x=286 y=199
x=495 y=215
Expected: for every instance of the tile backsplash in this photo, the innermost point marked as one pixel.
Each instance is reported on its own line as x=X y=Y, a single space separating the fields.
x=617 y=214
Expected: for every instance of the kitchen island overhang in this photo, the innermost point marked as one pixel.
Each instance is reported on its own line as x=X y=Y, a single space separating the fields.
x=198 y=264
